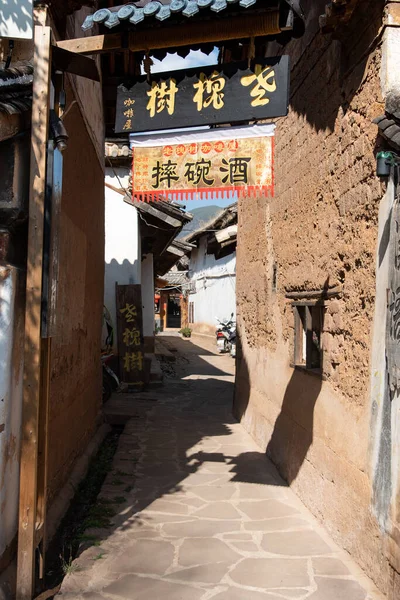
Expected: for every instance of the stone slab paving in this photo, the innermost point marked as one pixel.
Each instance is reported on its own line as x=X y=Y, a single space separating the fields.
x=202 y=514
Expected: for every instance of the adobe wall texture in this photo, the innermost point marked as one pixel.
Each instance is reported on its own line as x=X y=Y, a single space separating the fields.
x=75 y=387
x=319 y=230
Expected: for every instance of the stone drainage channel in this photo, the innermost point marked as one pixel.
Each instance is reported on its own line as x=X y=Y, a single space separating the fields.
x=195 y=510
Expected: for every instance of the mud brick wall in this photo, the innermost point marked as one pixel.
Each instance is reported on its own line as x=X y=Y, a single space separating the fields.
x=75 y=387
x=320 y=230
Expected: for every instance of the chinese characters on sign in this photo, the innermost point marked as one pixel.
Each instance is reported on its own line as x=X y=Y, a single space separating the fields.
x=195 y=169
x=210 y=95
x=130 y=345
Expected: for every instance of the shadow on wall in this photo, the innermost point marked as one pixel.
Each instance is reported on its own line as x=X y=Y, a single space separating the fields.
x=292 y=433
x=18 y=11
x=124 y=273
x=342 y=64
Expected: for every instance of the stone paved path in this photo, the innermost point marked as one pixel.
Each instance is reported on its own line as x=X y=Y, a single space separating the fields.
x=201 y=513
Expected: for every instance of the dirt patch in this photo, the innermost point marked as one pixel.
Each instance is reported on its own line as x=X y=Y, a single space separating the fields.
x=85 y=511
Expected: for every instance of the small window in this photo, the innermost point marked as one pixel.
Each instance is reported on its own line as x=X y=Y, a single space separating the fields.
x=308 y=327
x=191 y=312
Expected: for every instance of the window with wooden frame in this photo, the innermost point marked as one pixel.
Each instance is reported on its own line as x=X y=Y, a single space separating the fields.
x=308 y=328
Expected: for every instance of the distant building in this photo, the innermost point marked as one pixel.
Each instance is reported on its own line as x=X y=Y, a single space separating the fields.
x=212 y=271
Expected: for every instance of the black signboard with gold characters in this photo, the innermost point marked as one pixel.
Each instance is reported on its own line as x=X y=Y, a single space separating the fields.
x=130 y=335
x=205 y=96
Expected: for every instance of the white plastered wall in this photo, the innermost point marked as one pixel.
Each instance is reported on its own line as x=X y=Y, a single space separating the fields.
x=122 y=243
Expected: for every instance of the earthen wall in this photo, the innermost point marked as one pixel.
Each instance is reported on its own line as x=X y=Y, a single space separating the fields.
x=319 y=231
x=75 y=386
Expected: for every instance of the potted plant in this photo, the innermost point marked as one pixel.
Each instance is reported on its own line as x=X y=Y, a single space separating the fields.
x=185 y=332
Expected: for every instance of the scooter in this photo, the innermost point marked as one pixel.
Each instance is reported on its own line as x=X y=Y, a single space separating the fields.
x=110 y=379
x=226 y=336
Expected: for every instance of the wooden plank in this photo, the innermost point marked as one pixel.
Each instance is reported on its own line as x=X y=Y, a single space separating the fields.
x=214 y=30
x=32 y=357
x=43 y=453
x=78 y=64
x=321 y=294
x=130 y=334
x=94 y=44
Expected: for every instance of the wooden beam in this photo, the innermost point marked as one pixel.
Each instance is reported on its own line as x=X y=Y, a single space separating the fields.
x=215 y=30
x=93 y=45
x=74 y=63
x=318 y=294
x=32 y=355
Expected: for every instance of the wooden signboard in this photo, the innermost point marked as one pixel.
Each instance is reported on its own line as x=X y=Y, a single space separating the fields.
x=212 y=95
x=193 y=170
x=130 y=335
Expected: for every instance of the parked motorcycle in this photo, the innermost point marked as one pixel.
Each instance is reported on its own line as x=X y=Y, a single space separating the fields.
x=110 y=379
x=226 y=336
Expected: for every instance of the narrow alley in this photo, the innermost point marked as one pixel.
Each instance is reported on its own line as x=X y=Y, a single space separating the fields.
x=200 y=511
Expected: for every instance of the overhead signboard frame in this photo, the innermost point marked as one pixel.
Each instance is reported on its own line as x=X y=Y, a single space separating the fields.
x=231 y=93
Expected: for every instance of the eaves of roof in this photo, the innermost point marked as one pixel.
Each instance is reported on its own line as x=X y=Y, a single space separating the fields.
x=176 y=278
x=160 y=206
x=143 y=12
x=184 y=246
x=16 y=88
x=337 y=12
x=389 y=128
x=228 y=213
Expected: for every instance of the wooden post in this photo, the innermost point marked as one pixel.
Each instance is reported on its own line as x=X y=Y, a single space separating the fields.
x=309 y=337
x=32 y=356
x=42 y=463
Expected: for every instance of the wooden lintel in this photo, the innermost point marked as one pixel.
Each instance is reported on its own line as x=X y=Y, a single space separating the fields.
x=216 y=30
x=315 y=294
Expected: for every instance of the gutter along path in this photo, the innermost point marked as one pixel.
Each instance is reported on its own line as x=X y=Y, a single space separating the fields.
x=201 y=513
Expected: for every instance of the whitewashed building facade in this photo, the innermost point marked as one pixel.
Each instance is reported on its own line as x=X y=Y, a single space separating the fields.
x=212 y=272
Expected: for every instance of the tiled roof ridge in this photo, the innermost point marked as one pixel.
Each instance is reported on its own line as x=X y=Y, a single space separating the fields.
x=136 y=12
x=213 y=222
x=389 y=128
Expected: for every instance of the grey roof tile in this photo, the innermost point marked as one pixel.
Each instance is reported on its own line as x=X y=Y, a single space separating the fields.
x=16 y=88
x=389 y=128
x=142 y=9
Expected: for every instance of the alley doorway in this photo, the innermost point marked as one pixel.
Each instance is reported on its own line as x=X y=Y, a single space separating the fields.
x=174 y=311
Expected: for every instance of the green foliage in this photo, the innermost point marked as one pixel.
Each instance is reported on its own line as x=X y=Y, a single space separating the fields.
x=68 y=566
x=185 y=332
x=99 y=556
